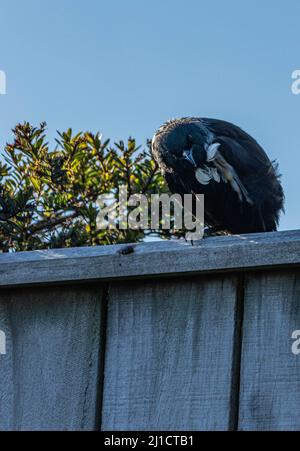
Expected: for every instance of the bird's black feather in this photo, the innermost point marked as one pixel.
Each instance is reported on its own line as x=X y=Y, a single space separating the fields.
x=225 y=207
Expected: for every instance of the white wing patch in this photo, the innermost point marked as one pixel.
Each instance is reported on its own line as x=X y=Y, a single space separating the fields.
x=206 y=174
x=212 y=151
x=215 y=175
x=221 y=170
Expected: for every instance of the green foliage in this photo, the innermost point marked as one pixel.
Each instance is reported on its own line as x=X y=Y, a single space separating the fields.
x=48 y=197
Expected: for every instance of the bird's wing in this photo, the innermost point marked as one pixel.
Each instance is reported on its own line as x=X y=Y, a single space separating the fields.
x=230 y=154
x=238 y=148
x=229 y=174
x=237 y=156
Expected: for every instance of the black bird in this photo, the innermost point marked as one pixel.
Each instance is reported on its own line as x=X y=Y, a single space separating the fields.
x=241 y=186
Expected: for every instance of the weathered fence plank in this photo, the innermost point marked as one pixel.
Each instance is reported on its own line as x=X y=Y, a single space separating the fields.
x=50 y=373
x=238 y=252
x=200 y=352
x=169 y=355
x=270 y=376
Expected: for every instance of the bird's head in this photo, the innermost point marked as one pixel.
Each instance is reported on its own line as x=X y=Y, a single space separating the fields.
x=180 y=142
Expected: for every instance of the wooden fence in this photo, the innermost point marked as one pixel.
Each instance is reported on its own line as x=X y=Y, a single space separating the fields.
x=157 y=336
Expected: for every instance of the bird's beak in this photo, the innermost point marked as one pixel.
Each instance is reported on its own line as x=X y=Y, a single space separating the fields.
x=188 y=155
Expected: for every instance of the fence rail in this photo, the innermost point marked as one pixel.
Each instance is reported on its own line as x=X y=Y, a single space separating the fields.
x=155 y=336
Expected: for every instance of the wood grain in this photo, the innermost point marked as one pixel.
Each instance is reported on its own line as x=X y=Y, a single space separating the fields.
x=50 y=373
x=200 y=352
x=169 y=355
x=270 y=376
x=238 y=252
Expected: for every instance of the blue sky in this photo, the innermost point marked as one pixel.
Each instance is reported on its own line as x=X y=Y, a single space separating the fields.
x=125 y=66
